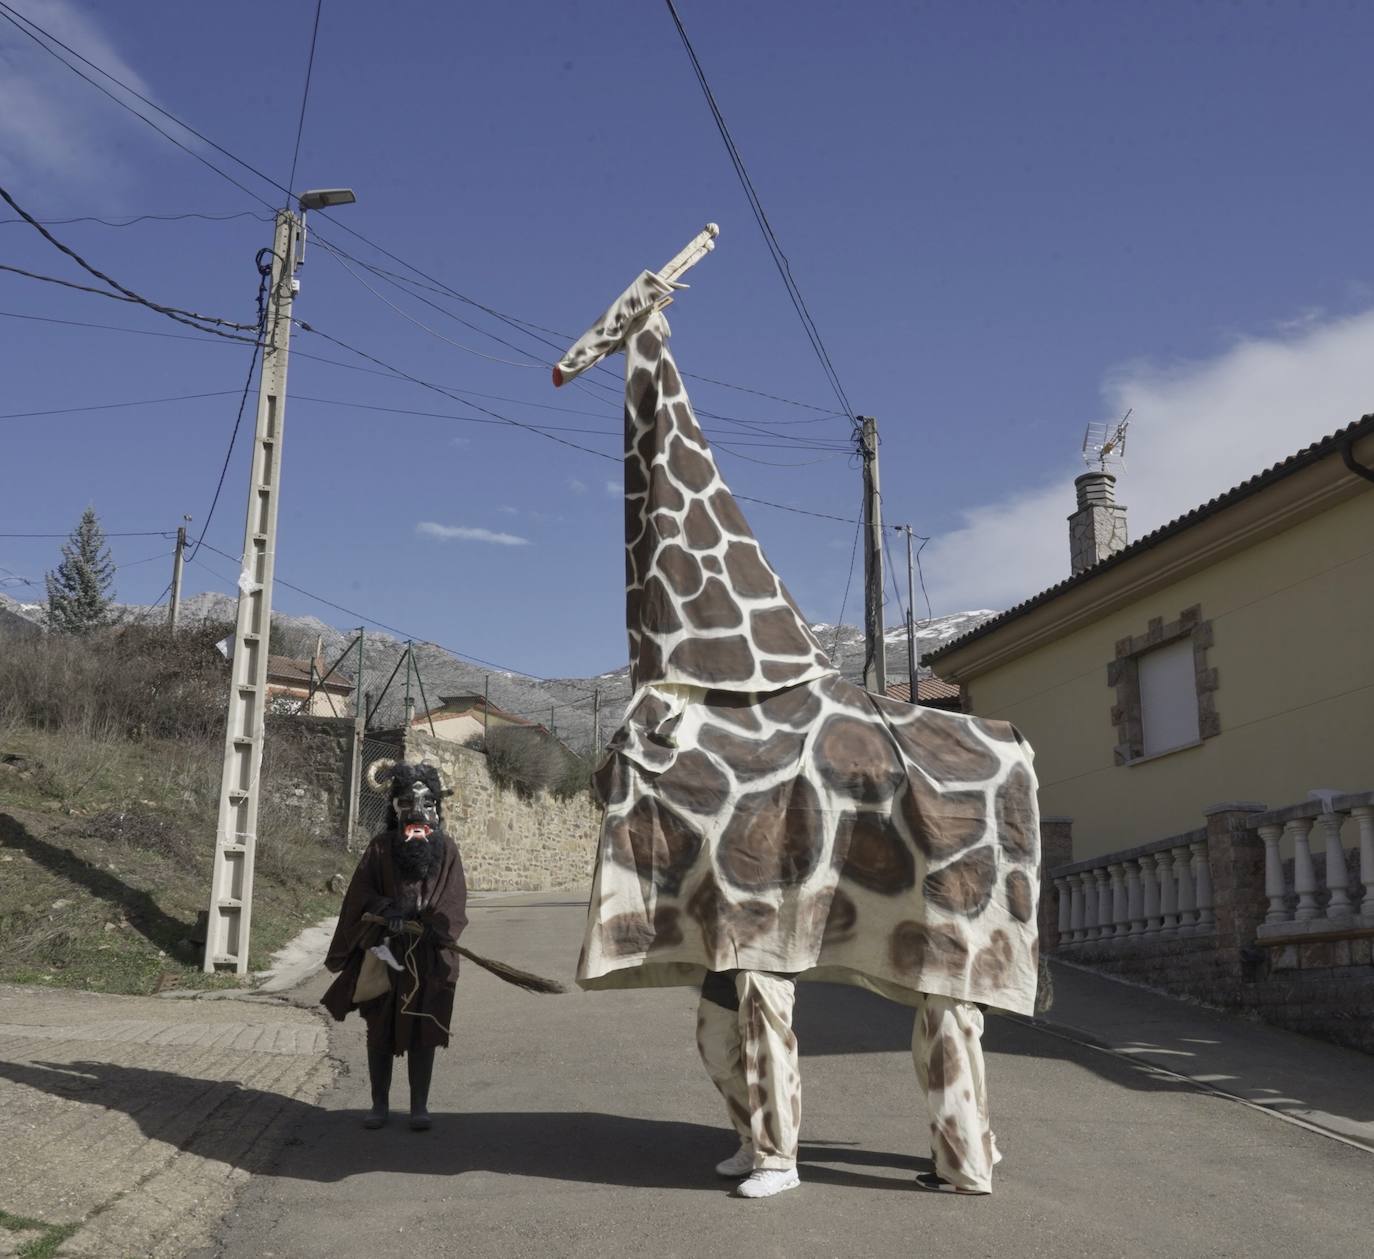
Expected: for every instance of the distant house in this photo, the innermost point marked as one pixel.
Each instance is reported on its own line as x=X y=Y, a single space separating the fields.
x=461 y=718
x=931 y=692
x=1226 y=656
x=292 y=681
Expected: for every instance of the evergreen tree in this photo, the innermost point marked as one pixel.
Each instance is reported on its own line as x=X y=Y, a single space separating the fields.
x=79 y=591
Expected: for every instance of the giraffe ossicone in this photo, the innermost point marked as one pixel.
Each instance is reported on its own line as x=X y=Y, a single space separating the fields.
x=762 y=813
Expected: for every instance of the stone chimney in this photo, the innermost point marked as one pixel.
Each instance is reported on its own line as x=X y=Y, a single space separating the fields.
x=1098 y=528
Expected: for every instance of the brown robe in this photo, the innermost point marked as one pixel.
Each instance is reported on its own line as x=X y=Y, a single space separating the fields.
x=396 y=1019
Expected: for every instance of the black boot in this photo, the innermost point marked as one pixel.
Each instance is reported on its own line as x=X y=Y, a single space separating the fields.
x=420 y=1067
x=379 y=1064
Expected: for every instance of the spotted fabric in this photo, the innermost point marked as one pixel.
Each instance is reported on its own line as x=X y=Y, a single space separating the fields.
x=947 y=1046
x=761 y=813
x=750 y=1052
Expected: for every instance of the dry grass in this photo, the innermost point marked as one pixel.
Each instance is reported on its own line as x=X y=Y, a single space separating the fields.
x=110 y=754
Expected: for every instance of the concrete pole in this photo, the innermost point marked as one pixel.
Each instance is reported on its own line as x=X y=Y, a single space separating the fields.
x=486 y=709
x=875 y=645
x=231 y=887
x=178 y=561
x=596 y=721
x=911 y=619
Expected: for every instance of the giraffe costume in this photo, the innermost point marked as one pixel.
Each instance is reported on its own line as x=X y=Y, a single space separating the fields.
x=763 y=815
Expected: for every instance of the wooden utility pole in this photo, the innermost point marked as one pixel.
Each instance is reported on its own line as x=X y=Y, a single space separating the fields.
x=231 y=887
x=596 y=721
x=910 y=617
x=486 y=708
x=179 y=559
x=355 y=752
x=409 y=702
x=875 y=646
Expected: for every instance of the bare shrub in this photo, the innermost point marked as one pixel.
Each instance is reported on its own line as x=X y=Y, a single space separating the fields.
x=528 y=760
x=136 y=681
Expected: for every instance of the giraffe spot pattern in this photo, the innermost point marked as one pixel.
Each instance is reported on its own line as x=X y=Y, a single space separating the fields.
x=714 y=660
x=947 y=750
x=713 y=608
x=943 y=823
x=869 y=851
x=854 y=758
x=655 y=842
x=627 y=934
x=694 y=783
x=773 y=837
x=723 y=921
x=965 y=885
x=1015 y=826
x=1020 y=896
x=916 y=947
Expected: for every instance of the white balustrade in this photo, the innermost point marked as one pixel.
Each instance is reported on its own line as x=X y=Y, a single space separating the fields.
x=1105 y=928
x=1121 y=923
x=1304 y=877
x=1338 y=905
x=1364 y=818
x=1202 y=878
x=1075 y=908
x=1187 y=889
x=1149 y=876
x=1135 y=899
x=1061 y=886
x=1090 y=927
x=1272 y=833
x=1168 y=893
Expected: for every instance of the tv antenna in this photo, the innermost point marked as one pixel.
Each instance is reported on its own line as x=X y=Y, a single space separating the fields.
x=1105 y=444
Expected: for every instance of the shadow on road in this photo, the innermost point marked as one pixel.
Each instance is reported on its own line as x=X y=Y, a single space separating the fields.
x=328 y=1146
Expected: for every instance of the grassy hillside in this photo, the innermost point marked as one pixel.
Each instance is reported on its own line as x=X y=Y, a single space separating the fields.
x=110 y=752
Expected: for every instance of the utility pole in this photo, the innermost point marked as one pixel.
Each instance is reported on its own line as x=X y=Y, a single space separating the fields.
x=409 y=702
x=355 y=754
x=231 y=885
x=875 y=646
x=486 y=709
x=910 y=617
x=553 y=725
x=231 y=889
x=179 y=559
x=596 y=721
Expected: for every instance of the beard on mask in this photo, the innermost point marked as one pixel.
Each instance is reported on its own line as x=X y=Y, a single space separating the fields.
x=417 y=859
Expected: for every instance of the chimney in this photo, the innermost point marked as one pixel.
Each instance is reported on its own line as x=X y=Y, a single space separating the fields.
x=1098 y=528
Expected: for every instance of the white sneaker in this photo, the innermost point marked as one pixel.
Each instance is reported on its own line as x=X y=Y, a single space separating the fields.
x=764 y=1182
x=740 y=1163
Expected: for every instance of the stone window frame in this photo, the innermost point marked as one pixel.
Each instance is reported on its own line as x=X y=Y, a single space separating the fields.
x=1123 y=674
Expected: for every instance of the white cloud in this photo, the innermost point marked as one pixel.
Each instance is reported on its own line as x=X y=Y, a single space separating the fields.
x=614 y=488
x=54 y=129
x=467 y=533
x=509 y=511
x=577 y=487
x=1198 y=429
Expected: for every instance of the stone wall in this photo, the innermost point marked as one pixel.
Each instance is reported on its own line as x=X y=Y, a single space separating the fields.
x=306 y=764
x=511 y=843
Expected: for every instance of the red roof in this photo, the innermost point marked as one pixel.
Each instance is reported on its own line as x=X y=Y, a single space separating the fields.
x=928 y=691
x=289 y=669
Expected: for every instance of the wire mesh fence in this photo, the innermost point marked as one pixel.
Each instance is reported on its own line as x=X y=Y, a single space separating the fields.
x=374 y=809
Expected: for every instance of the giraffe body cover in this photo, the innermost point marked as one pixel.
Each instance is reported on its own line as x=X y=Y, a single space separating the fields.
x=761 y=812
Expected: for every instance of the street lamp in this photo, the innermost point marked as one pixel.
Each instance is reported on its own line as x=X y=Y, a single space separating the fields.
x=324 y=198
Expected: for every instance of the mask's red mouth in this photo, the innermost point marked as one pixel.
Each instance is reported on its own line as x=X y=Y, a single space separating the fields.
x=418 y=830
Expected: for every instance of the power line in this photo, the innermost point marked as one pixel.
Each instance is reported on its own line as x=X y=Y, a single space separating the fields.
x=172 y=312
x=138 y=533
x=28 y=27
x=848 y=581
x=141 y=218
x=305 y=95
x=264 y=274
x=111 y=406
x=390 y=629
x=396 y=371
x=756 y=206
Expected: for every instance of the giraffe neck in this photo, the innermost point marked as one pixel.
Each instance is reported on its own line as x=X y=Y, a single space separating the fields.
x=703 y=606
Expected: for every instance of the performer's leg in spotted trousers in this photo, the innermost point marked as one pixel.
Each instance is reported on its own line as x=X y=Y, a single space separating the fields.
x=744 y=1034
x=947 y=1045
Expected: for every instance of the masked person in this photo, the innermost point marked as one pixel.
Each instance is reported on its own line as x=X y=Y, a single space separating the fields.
x=395 y=948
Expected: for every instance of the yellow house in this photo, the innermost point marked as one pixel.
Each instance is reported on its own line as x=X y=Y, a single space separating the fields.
x=1227 y=656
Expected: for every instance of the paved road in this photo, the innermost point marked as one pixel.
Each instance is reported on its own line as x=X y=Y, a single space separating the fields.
x=135 y=1120
x=583 y=1125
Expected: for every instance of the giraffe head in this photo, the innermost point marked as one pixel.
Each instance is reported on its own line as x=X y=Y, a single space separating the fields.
x=631 y=310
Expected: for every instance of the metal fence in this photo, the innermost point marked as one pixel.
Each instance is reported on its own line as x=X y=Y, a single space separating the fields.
x=374 y=808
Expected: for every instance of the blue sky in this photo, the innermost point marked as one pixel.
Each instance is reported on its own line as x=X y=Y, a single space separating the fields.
x=1008 y=220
